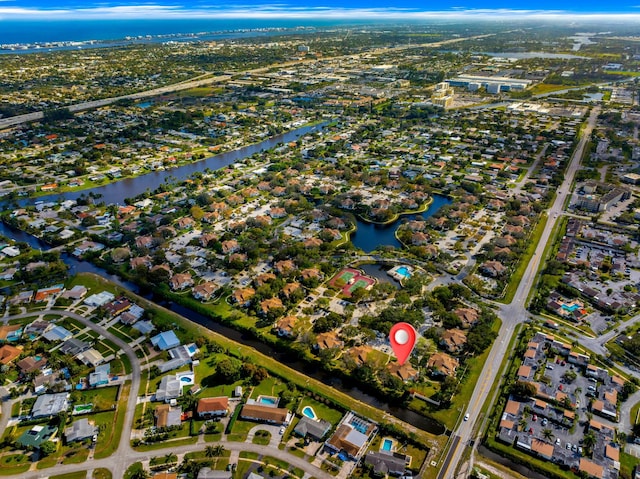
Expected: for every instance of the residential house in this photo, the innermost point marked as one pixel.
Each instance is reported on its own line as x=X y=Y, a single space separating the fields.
x=79 y=430
x=386 y=463
x=181 y=281
x=213 y=407
x=453 y=340
x=328 y=340
x=243 y=296
x=205 y=291
x=165 y=340
x=442 y=364
x=267 y=414
x=404 y=371
x=315 y=429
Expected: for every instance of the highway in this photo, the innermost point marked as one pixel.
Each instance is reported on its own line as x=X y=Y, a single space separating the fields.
x=205 y=79
x=513 y=313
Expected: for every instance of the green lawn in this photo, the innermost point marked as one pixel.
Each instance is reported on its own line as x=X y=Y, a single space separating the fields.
x=262 y=437
x=102 y=473
x=70 y=475
x=241 y=429
x=109 y=439
x=523 y=263
x=627 y=465
x=269 y=387
x=166 y=444
x=14 y=464
x=322 y=410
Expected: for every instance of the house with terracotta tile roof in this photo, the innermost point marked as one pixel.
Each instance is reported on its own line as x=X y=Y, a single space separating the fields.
x=205 y=291
x=453 y=340
x=213 y=407
x=328 y=340
x=9 y=353
x=442 y=364
x=267 y=414
x=591 y=468
x=285 y=326
x=180 y=281
x=243 y=296
x=405 y=371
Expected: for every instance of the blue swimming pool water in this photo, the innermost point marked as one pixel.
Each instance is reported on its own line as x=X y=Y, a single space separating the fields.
x=309 y=412
x=571 y=308
x=386 y=445
x=193 y=348
x=185 y=379
x=267 y=400
x=404 y=271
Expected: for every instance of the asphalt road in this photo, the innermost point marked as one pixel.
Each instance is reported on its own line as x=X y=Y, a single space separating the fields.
x=515 y=312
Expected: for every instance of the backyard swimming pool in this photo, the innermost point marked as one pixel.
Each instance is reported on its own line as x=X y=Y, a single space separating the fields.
x=267 y=400
x=404 y=271
x=387 y=444
x=309 y=412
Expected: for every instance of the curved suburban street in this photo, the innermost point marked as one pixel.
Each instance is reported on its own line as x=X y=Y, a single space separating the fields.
x=125 y=454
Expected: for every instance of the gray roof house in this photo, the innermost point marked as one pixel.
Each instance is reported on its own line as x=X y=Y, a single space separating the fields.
x=49 y=405
x=79 y=430
x=314 y=429
x=169 y=388
x=386 y=463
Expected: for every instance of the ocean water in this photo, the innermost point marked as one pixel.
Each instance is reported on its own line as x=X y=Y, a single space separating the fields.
x=42 y=31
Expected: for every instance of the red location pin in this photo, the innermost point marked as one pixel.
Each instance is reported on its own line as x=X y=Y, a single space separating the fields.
x=403 y=338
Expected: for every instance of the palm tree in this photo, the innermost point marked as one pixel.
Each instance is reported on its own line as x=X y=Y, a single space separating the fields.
x=219 y=449
x=547 y=434
x=140 y=474
x=170 y=457
x=210 y=452
x=589 y=440
x=523 y=424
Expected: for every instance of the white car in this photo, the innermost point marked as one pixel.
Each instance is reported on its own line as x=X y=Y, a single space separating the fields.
x=282 y=430
x=466 y=417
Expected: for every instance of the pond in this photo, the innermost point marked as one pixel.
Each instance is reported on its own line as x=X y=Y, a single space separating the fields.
x=369 y=236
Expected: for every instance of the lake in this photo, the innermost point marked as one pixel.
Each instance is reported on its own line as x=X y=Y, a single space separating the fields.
x=369 y=236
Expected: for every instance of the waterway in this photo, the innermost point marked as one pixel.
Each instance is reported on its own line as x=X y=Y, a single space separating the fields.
x=527 y=55
x=115 y=193
x=289 y=359
x=369 y=236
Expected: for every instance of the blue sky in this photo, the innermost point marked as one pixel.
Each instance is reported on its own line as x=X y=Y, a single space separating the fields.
x=66 y=9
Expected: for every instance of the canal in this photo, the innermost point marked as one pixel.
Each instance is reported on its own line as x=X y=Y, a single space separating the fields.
x=117 y=192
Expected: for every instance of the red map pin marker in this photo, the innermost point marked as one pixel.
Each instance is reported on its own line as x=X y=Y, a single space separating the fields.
x=403 y=338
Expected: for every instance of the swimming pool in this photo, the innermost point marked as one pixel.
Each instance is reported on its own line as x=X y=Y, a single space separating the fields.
x=267 y=400
x=387 y=444
x=309 y=412
x=570 y=308
x=404 y=271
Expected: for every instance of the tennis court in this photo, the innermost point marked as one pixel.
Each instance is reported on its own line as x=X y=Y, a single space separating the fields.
x=350 y=279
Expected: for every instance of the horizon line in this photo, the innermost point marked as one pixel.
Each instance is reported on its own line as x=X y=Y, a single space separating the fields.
x=284 y=12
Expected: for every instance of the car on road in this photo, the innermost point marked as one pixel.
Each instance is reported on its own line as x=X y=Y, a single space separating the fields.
x=282 y=430
x=557 y=441
x=466 y=417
